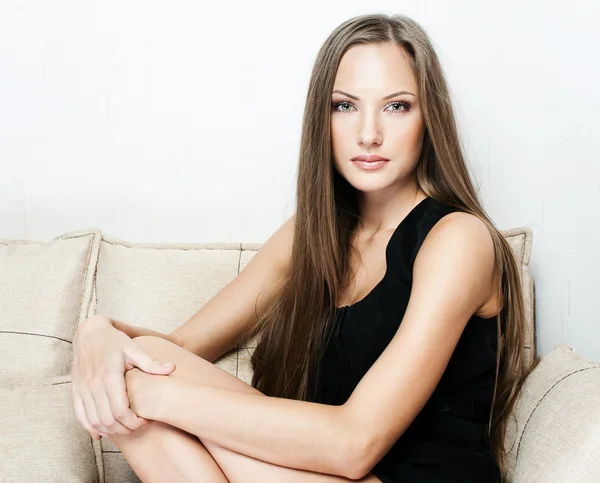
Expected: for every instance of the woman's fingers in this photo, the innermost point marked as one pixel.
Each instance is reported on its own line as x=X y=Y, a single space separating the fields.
x=119 y=403
x=105 y=415
x=81 y=416
x=91 y=413
x=136 y=357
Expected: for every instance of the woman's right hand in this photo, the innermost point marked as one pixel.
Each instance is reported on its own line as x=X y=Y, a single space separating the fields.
x=102 y=355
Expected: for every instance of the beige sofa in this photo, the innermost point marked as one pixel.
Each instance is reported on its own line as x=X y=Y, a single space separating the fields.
x=48 y=287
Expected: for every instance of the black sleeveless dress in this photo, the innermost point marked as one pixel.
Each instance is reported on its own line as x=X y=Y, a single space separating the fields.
x=447 y=440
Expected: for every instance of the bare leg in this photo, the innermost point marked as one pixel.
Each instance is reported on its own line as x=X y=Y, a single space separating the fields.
x=162 y=453
x=191 y=456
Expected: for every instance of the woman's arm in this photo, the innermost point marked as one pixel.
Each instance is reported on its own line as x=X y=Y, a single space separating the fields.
x=215 y=329
x=296 y=434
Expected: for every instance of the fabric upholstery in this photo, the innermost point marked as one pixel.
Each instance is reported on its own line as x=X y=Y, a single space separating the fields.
x=520 y=240
x=554 y=430
x=40 y=439
x=45 y=291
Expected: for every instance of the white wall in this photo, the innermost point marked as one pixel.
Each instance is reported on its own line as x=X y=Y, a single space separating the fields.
x=180 y=121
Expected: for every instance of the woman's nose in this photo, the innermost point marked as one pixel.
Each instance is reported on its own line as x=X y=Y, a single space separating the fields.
x=369 y=132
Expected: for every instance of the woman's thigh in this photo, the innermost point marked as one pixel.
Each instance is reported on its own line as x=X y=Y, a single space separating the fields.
x=238 y=468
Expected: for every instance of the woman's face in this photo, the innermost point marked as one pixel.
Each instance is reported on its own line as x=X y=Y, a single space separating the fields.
x=370 y=117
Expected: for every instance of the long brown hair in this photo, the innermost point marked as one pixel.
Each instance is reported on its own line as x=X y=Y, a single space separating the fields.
x=293 y=326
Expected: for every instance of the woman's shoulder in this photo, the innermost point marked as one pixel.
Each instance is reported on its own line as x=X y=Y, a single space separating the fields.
x=460 y=243
x=441 y=227
x=458 y=227
x=448 y=225
x=450 y=219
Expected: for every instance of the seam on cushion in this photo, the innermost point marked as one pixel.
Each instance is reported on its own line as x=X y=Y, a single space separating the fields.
x=184 y=247
x=110 y=451
x=38 y=335
x=540 y=401
x=94 y=290
x=527 y=244
x=28 y=241
x=59 y=383
x=237 y=352
x=99 y=456
x=73 y=237
x=80 y=316
x=97 y=450
x=521 y=259
x=25 y=242
x=534 y=334
x=524 y=239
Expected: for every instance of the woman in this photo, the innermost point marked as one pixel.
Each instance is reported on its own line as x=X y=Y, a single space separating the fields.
x=389 y=307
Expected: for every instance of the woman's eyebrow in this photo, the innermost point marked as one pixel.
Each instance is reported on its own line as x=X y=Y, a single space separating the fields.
x=383 y=98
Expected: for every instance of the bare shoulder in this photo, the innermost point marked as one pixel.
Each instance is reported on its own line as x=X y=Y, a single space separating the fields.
x=462 y=243
x=461 y=227
x=461 y=234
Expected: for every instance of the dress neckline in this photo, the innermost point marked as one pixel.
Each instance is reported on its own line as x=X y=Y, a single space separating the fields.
x=387 y=246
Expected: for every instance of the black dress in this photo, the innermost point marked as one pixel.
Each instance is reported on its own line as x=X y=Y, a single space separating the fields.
x=447 y=440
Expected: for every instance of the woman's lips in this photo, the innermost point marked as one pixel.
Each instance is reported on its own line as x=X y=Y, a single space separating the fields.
x=369 y=165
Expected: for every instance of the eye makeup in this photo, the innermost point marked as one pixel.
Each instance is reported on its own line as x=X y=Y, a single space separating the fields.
x=402 y=107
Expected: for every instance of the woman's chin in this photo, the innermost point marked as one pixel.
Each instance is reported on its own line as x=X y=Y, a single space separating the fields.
x=369 y=185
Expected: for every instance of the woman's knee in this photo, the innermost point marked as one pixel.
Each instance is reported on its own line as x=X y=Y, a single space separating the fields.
x=153 y=434
x=160 y=452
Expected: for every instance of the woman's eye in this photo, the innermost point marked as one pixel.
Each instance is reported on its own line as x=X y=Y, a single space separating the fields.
x=405 y=106
x=399 y=106
x=341 y=104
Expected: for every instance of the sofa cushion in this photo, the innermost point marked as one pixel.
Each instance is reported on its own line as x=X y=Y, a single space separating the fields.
x=40 y=439
x=160 y=286
x=520 y=240
x=45 y=291
x=116 y=468
x=554 y=431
